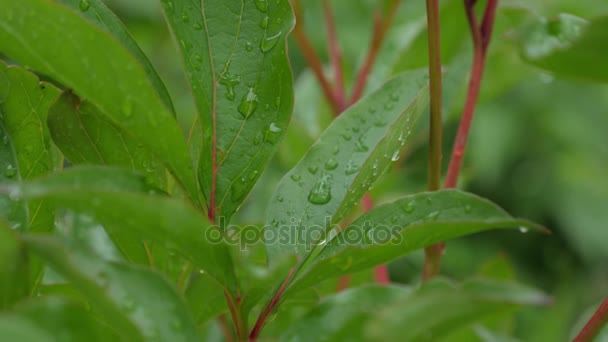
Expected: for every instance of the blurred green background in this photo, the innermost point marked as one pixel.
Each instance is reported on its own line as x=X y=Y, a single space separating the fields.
x=538 y=145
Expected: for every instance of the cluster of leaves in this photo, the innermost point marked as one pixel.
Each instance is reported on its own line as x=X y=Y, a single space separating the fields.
x=118 y=223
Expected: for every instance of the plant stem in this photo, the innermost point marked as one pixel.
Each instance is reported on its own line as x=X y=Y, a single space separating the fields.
x=433 y=254
x=335 y=55
x=595 y=324
x=259 y=324
x=237 y=319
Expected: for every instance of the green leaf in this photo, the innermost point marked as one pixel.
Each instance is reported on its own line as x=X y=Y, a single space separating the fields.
x=17 y=328
x=135 y=301
x=569 y=46
x=120 y=202
x=85 y=136
x=65 y=320
x=100 y=15
x=24 y=104
x=439 y=308
x=236 y=62
x=343 y=164
x=14 y=273
x=205 y=298
x=343 y=315
x=395 y=229
x=110 y=78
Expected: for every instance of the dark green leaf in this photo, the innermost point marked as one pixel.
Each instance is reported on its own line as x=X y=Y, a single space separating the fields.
x=110 y=77
x=14 y=272
x=395 y=229
x=65 y=320
x=235 y=58
x=135 y=301
x=115 y=198
x=439 y=308
x=569 y=46
x=85 y=136
x=100 y=15
x=343 y=164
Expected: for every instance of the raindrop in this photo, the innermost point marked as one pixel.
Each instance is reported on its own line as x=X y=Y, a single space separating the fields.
x=356 y=129
x=264 y=23
x=186 y=45
x=351 y=168
x=277 y=101
x=331 y=164
x=269 y=42
x=379 y=122
x=280 y=198
x=375 y=168
x=295 y=177
x=262 y=5
x=360 y=146
x=168 y=5
x=253 y=174
x=248 y=46
x=321 y=191
x=249 y=103
x=185 y=17
x=273 y=133
x=10 y=171
x=84 y=5
x=267 y=107
x=347 y=136
x=238 y=190
x=230 y=81
x=409 y=207
x=433 y=216
x=313 y=169
x=197 y=27
x=395 y=156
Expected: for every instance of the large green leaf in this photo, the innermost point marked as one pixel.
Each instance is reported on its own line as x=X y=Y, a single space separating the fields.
x=236 y=62
x=85 y=136
x=343 y=164
x=100 y=15
x=135 y=301
x=17 y=328
x=14 y=273
x=107 y=75
x=120 y=202
x=395 y=229
x=569 y=46
x=65 y=320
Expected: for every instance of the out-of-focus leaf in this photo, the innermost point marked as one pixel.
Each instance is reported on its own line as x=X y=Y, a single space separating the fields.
x=16 y=212
x=136 y=302
x=85 y=136
x=343 y=164
x=343 y=315
x=18 y=328
x=439 y=308
x=569 y=46
x=234 y=53
x=65 y=320
x=205 y=297
x=14 y=272
x=115 y=198
x=395 y=229
x=100 y=15
x=110 y=78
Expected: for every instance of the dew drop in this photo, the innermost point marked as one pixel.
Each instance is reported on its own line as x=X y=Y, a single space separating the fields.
x=351 y=168
x=433 y=216
x=197 y=27
x=395 y=155
x=277 y=101
x=168 y=5
x=185 y=17
x=280 y=199
x=248 y=46
x=380 y=122
x=238 y=190
x=249 y=103
x=10 y=171
x=264 y=22
x=262 y=5
x=269 y=42
x=267 y=107
x=313 y=169
x=409 y=207
x=84 y=5
x=360 y=146
x=331 y=164
x=356 y=129
x=272 y=133
x=321 y=191
x=346 y=136
x=186 y=45
x=295 y=177
x=229 y=82
x=253 y=174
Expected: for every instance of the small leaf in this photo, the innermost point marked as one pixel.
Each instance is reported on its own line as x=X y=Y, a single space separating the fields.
x=100 y=15
x=65 y=319
x=343 y=164
x=120 y=202
x=236 y=62
x=569 y=46
x=395 y=229
x=136 y=302
x=14 y=275
x=111 y=78
x=85 y=136
x=438 y=308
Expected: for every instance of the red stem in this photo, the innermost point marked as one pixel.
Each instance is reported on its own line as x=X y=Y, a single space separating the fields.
x=381 y=26
x=595 y=324
x=259 y=324
x=335 y=55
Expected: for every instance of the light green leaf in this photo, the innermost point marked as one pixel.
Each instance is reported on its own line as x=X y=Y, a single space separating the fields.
x=135 y=301
x=14 y=272
x=120 y=202
x=111 y=78
x=343 y=164
x=205 y=298
x=85 y=136
x=17 y=328
x=569 y=46
x=100 y=15
x=236 y=62
x=395 y=229
x=439 y=308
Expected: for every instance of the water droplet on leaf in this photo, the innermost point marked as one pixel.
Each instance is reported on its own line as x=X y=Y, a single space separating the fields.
x=409 y=207
x=262 y=5
x=351 y=168
x=249 y=103
x=295 y=177
x=321 y=191
x=10 y=171
x=269 y=42
x=84 y=5
x=313 y=169
x=197 y=27
x=264 y=23
x=331 y=164
x=229 y=82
